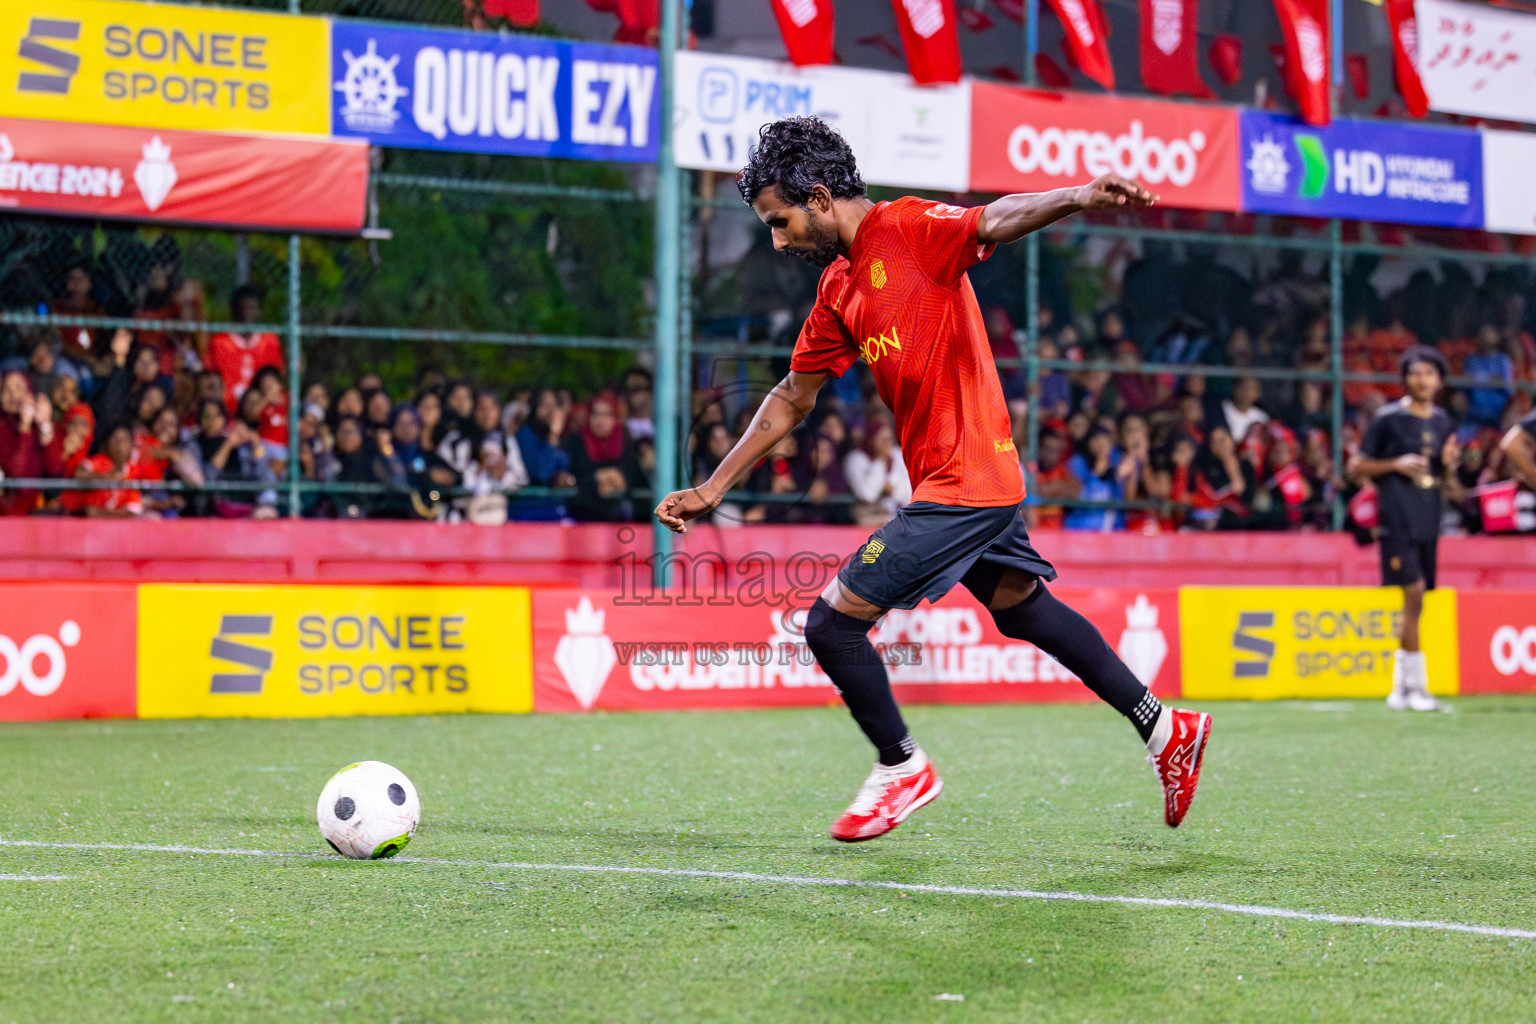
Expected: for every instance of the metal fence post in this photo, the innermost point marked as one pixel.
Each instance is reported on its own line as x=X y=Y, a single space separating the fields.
x=1336 y=346
x=293 y=375
x=1032 y=355
x=668 y=282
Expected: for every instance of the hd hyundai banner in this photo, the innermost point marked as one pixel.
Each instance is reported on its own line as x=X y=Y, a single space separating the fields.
x=164 y=66
x=484 y=93
x=608 y=649
x=1362 y=170
x=901 y=134
x=1029 y=140
x=188 y=177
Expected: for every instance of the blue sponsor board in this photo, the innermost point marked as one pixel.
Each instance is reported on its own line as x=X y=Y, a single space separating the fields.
x=481 y=93
x=1362 y=170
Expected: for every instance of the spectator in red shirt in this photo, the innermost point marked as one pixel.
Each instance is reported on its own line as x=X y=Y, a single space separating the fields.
x=237 y=357
x=114 y=463
x=273 y=425
x=75 y=449
x=82 y=344
x=26 y=433
x=1053 y=479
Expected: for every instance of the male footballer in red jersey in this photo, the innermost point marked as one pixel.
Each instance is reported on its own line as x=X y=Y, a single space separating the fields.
x=894 y=293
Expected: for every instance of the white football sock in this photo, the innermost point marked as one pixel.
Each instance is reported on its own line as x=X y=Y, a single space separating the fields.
x=1162 y=732
x=1415 y=671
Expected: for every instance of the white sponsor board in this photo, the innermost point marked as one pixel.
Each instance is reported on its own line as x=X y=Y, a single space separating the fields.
x=1509 y=181
x=1477 y=60
x=902 y=134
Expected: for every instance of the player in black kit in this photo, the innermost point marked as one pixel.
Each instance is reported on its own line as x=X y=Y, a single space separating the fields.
x=1407 y=451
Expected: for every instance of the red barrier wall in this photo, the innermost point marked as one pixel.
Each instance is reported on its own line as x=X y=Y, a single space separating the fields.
x=592 y=555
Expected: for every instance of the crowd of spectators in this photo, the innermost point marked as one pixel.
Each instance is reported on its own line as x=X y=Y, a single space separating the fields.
x=1214 y=440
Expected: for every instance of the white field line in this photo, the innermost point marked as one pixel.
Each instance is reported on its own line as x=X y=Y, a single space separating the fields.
x=34 y=878
x=1245 y=909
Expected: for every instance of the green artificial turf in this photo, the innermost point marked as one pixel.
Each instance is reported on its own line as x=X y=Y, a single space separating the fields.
x=1333 y=808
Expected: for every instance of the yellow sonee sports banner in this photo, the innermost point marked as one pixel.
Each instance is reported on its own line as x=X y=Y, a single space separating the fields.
x=164 y=66
x=1266 y=643
x=305 y=651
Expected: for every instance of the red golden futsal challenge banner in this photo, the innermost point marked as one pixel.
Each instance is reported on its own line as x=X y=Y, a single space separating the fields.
x=590 y=651
x=84 y=170
x=67 y=651
x=1029 y=140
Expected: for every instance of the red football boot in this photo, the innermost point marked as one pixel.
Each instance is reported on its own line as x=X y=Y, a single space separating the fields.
x=888 y=796
x=1178 y=766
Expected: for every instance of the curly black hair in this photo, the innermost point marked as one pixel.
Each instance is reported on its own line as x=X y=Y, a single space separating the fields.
x=797 y=154
x=1423 y=354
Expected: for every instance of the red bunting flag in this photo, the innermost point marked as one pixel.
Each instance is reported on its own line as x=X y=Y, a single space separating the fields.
x=1226 y=57
x=1405 y=55
x=1358 y=67
x=521 y=13
x=932 y=43
x=1170 y=54
x=806 y=26
x=1307 y=56
x=1087 y=38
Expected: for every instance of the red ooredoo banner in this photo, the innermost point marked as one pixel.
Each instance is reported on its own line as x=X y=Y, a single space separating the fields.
x=85 y=170
x=1028 y=140
x=1496 y=634
x=591 y=652
x=68 y=650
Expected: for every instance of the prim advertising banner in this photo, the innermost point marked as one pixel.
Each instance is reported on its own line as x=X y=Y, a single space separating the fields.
x=243 y=181
x=902 y=134
x=482 y=93
x=67 y=651
x=1362 y=170
x=1497 y=640
x=1031 y=140
x=1478 y=60
x=231 y=651
x=1509 y=181
x=1275 y=643
x=164 y=66
x=608 y=649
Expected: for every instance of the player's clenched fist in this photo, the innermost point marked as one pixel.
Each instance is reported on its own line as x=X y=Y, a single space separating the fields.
x=677 y=508
x=1109 y=191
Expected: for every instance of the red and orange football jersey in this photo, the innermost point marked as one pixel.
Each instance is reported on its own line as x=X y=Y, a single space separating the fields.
x=901 y=302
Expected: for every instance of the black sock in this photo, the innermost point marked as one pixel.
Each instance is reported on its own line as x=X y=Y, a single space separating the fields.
x=842 y=648
x=1072 y=640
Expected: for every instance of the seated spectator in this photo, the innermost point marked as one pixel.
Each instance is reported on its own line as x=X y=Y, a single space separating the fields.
x=79 y=429
x=461 y=443
x=1282 y=498
x=353 y=464
x=1052 y=479
x=121 y=385
x=236 y=357
x=1134 y=474
x=1241 y=411
x=26 y=443
x=429 y=407
x=1139 y=393
x=1225 y=484
x=114 y=463
x=1309 y=411
x=639 y=400
x=1490 y=364
x=1181 y=478
x=458 y=407
x=489 y=479
x=159 y=455
x=416 y=476
x=1055 y=386
x=82 y=345
x=603 y=465
x=157 y=301
x=234 y=453
x=1094 y=469
x=378 y=414
x=348 y=405
x=540 y=441
x=44 y=367
x=317 y=445
x=65 y=395
x=272 y=426
x=1000 y=339
x=877 y=475
x=826 y=482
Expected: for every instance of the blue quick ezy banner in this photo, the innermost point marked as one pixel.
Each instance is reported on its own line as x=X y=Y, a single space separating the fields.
x=482 y=93
x=1362 y=170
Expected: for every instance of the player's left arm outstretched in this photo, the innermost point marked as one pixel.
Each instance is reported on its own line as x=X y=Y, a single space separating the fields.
x=1012 y=217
